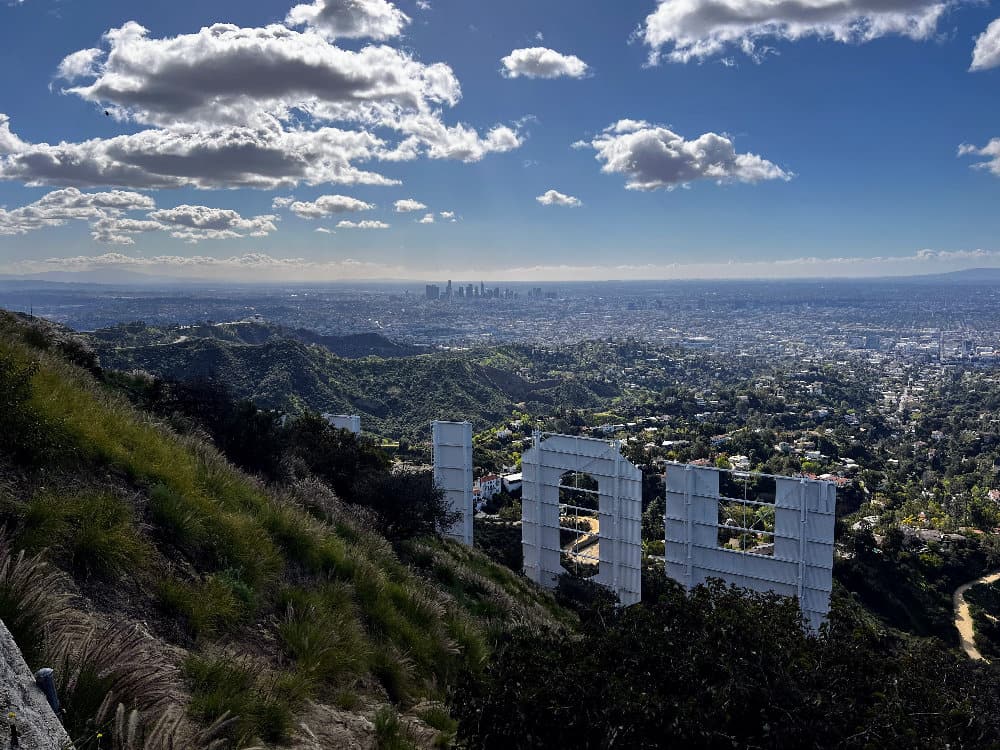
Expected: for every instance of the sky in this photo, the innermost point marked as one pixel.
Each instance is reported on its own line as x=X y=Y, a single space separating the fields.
x=260 y=140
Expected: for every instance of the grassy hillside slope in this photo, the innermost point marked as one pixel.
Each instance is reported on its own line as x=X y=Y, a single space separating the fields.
x=246 y=598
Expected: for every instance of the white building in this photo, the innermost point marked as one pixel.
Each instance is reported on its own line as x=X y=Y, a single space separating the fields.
x=489 y=485
x=512 y=482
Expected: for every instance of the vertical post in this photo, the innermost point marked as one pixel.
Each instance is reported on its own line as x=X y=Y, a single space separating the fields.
x=802 y=537
x=471 y=509
x=689 y=524
x=536 y=438
x=453 y=473
x=616 y=532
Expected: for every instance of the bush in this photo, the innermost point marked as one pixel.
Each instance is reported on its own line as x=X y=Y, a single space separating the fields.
x=26 y=439
x=501 y=542
x=97 y=669
x=408 y=504
x=390 y=734
x=321 y=633
x=437 y=717
x=31 y=600
x=338 y=457
x=94 y=530
x=261 y=704
x=209 y=606
x=726 y=668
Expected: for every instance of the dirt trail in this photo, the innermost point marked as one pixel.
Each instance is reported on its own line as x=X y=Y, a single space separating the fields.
x=963 y=618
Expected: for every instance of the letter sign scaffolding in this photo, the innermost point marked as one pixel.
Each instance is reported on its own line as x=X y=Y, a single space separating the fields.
x=453 y=473
x=547 y=518
x=779 y=540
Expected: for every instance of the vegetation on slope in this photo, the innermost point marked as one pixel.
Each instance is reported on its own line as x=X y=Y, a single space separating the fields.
x=263 y=600
x=138 y=334
x=725 y=669
x=267 y=604
x=984 y=606
x=395 y=396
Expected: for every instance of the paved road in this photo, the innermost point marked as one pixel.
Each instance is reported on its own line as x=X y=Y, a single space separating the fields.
x=963 y=619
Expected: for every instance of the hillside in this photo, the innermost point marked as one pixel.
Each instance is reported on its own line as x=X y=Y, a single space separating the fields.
x=351 y=346
x=395 y=396
x=182 y=588
x=186 y=604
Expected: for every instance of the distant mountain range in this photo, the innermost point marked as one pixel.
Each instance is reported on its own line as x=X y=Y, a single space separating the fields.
x=973 y=275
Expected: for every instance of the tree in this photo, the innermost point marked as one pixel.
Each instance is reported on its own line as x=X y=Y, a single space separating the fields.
x=338 y=457
x=408 y=503
x=25 y=435
x=722 y=668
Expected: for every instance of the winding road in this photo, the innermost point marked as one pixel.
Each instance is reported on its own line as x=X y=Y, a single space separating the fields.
x=963 y=619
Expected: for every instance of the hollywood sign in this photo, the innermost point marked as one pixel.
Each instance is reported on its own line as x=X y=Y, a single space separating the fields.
x=552 y=498
x=784 y=540
x=453 y=474
x=582 y=509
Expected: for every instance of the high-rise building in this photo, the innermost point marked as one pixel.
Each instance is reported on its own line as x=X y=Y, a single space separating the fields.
x=447 y=290
x=432 y=291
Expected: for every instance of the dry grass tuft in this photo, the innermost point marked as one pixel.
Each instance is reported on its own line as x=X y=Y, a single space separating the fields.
x=33 y=599
x=101 y=666
x=170 y=731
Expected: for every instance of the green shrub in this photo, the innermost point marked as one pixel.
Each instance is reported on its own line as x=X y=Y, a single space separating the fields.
x=177 y=519
x=390 y=734
x=207 y=607
x=94 y=530
x=27 y=438
x=437 y=717
x=326 y=642
x=394 y=671
x=347 y=700
x=261 y=703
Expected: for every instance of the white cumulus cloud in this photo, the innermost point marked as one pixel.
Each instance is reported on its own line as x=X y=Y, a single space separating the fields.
x=336 y=19
x=654 y=157
x=227 y=75
x=555 y=198
x=366 y=224
x=270 y=107
x=108 y=212
x=194 y=223
x=60 y=206
x=327 y=205
x=266 y=156
x=990 y=154
x=542 y=62
x=685 y=30
x=9 y=143
x=405 y=205
x=427 y=219
x=987 y=51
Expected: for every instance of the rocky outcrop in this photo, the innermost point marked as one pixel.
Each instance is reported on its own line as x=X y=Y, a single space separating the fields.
x=25 y=712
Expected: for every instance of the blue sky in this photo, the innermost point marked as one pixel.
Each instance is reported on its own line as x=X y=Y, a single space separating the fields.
x=800 y=143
